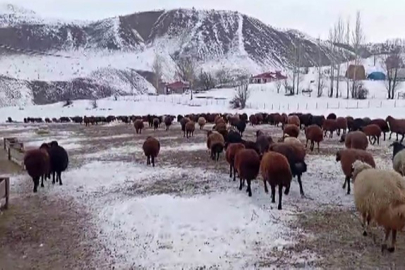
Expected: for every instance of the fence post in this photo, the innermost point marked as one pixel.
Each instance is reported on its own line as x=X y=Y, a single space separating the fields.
x=298 y=106
x=381 y=104
x=395 y=103
x=279 y=106
x=272 y=106
x=327 y=105
x=288 y=106
x=339 y=105
x=369 y=104
x=306 y=106
x=316 y=106
x=357 y=104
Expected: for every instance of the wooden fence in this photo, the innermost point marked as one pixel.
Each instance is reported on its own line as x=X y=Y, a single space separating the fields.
x=15 y=150
x=4 y=191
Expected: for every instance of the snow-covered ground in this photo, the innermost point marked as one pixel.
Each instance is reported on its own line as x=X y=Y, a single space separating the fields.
x=183 y=214
x=263 y=98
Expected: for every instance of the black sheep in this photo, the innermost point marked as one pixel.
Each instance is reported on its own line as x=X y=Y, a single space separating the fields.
x=59 y=161
x=241 y=126
x=357 y=124
x=397 y=148
x=232 y=137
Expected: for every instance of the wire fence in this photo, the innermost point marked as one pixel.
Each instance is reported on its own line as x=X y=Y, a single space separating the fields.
x=315 y=104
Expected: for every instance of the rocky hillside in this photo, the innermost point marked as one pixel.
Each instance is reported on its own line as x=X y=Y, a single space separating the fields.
x=60 y=53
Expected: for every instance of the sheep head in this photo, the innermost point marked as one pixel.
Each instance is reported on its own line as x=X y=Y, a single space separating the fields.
x=358 y=166
x=397 y=148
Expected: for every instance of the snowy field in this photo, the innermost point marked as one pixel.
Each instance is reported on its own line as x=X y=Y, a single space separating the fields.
x=263 y=98
x=186 y=213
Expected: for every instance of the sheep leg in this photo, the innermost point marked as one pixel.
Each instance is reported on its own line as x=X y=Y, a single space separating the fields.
x=249 y=190
x=306 y=143
x=240 y=183
x=60 y=177
x=218 y=156
x=348 y=184
x=230 y=170
x=265 y=186
x=147 y=160
x=53 y=177
x=280 y=196
x=390 y=136
x=36 y=183
x=273 y=193
x=318 y=147
x=402 y=138
x=234 y=174
x=338 y=132
x=153 y=161
x=331 y=134
x=366 y=222
x=393 y=241
x=384 y=135
x=301 y=189
x=42 y=180
x=387 y=234
x=378 y=140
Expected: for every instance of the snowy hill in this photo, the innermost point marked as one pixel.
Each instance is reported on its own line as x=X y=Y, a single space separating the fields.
x=62 y=53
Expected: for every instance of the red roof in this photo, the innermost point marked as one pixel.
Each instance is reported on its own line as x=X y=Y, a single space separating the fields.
x=178 y=85
x=270 y=75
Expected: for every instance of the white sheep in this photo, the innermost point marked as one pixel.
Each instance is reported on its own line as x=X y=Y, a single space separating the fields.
x=398 y=160
x=379 y=195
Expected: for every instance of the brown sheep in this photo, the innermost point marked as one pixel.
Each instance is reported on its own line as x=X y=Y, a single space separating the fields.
x=168 y=122
x=230 y=154
x=294 y=120
x=155 y=123
x=341 y=124
x=201 y=122
x=356 y=140
x=373 y=131
x=314 y=134
x=37 y=164
x=329 y=125
x=215 y=143
x=190 y=127
x=397 y=126
x=151 y=148
x=295 y=156
x=291 y=130
x=382 y=124
x=220 y=120
x=275 y=169
x=253 y=120
x=183 y=123
x=347 y=157
x=247 y=164
x=138 y=124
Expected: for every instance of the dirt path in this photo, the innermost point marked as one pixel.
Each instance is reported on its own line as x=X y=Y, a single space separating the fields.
x=42 y=232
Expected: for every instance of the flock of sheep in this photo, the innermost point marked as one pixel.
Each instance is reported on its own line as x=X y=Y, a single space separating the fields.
x=379 y=195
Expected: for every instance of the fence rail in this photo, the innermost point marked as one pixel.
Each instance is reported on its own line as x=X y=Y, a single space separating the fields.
x=281 y=105
x=15 y=150
x=4 y=191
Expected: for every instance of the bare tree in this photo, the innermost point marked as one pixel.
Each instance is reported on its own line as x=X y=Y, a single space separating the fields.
x=94 y=104
x=278 y=86
x=358 y=38
x=340 y=32
x=332 y=41
x=347 y=42
x=158 y=71
x=222 y=76
x=320 y=77
x=298 y=66
x=392 y=63
x=242 y=94
x=186 y=71
x=206 y=80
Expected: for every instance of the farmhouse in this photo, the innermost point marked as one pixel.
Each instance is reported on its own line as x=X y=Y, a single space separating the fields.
x=178 y=87
x=267 y=77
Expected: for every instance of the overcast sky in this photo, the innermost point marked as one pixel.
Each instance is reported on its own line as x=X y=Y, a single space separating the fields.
x=381 y=19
